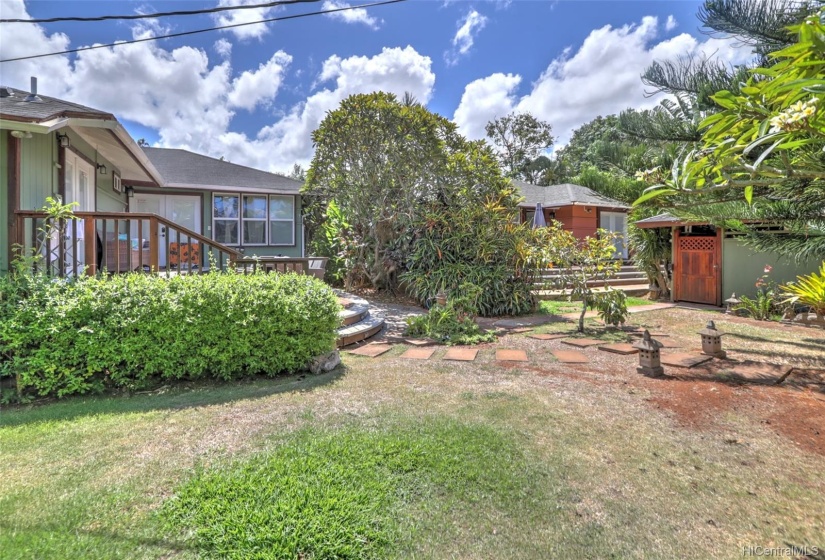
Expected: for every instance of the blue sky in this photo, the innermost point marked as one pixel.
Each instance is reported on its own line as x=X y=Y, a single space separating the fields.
x=254 y=94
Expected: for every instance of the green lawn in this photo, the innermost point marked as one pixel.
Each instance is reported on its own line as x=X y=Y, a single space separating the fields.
x=392 y=458
x=560 y=307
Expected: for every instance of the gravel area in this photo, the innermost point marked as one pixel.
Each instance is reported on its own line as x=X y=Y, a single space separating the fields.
x=394 y=315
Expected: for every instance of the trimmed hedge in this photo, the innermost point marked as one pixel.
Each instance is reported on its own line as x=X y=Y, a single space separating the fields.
x=66 y=337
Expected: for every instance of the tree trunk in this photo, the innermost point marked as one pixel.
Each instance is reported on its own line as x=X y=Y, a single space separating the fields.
x=581 y=317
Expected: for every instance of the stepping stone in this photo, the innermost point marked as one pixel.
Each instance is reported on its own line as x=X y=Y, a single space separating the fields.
x=545 y=336
x=582 y=342
x=417 y=341
x=371 y=350
x=570 y=357
x=620 y=348
x=684 y=360
x=508 y=355
x=418 y=353
x=670 y=343
x=520 y=330
x=461 y=354
x=755 y=372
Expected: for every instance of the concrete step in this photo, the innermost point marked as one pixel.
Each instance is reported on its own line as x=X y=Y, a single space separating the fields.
x=630 y=289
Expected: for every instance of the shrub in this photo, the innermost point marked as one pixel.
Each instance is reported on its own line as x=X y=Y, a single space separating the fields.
x=453 y=323
x=478 y=244
x=73 y=336
x=767 y=301
x=808 y=290
x=611 y=306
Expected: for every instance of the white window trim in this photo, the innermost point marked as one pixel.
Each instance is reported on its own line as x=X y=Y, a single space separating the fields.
x=270 y=220
x=240 y=219
x=236 y=220
x=265 y=219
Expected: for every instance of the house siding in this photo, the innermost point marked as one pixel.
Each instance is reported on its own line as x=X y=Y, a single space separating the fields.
x=578 y=221
x=38 y=170
x=4 y=201
x=742 y=267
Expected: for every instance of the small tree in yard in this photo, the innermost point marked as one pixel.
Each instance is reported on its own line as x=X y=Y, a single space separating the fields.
x=580 y=262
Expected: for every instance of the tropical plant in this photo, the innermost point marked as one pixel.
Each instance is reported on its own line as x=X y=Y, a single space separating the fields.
x=479 y=244
x=764 y=145
x=579 y=262
x=453 y=323
x=611 y=306
x=652 y=253
x=808 y=290
x=384 y=162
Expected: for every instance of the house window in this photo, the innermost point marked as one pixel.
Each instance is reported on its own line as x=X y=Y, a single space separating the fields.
x=281 y=220
x=253 y=219
x=226 y=218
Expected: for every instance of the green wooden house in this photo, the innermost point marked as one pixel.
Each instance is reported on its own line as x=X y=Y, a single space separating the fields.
x=138 y=208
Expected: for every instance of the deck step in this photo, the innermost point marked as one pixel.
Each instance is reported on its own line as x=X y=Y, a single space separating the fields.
x=357 y=323
x=354 y=313
x=359 y=331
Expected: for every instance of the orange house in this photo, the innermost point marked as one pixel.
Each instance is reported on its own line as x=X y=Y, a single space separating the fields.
x=581 y=211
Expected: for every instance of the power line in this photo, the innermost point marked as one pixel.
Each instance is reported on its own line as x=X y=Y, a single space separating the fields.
x=184 y=33
x=159 y=14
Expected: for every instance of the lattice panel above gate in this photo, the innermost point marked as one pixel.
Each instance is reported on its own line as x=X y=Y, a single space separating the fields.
x=697 y=243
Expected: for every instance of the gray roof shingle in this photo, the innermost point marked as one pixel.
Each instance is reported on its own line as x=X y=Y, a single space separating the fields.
x=181 y=167
x=566 y=194
x=660 y=218
x=15 y=108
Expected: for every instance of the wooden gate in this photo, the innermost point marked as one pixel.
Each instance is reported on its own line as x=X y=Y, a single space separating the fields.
x=696 y=275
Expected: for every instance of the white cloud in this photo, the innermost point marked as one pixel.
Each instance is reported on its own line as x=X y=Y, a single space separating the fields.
x=599 y=78
x=259 y=86
x=671 y=23
x=248 y=15
x=223 y=48
x=394 y=70
x=463 y=40
x=484 y=100
x=357 y=15
x=24 y=39
x=190 y=101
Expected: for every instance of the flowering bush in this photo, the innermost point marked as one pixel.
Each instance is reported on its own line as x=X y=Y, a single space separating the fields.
x=768 y=300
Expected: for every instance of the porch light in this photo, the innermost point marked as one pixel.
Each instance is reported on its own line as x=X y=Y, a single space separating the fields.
x=731 y=302
x=649 y=356
x=130 y=192
x=712 y=341
x=102 y=169
x=63 y=140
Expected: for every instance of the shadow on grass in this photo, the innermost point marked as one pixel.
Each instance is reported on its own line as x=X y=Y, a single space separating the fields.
x=814 y=344
x=176 y=396
x=165 y=547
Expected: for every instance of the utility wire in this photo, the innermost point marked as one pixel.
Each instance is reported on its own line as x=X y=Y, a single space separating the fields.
x=160 y=14
x=184 y=33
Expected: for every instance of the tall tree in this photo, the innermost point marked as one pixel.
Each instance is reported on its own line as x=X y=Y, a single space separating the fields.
x=767 y=146
x=520 y=139
x=382 y=161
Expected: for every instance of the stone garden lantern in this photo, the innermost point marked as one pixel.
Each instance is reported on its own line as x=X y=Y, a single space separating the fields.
x=712 y=341
x=732 y=302
x=649 y=356
x=441 y=298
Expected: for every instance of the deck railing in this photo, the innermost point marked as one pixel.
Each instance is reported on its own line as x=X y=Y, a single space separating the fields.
x=116 y=242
